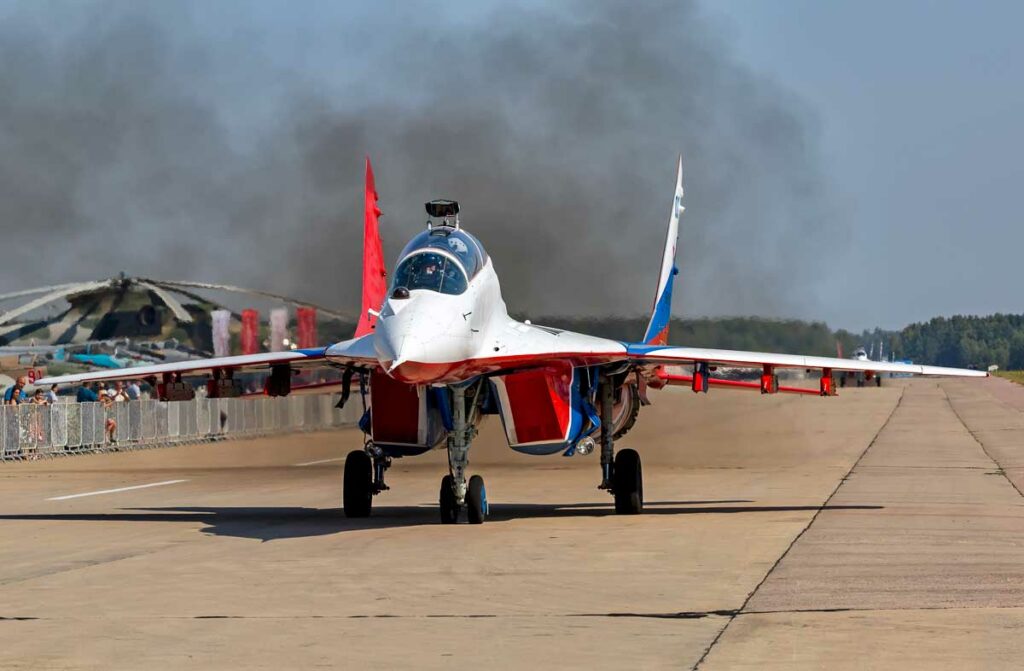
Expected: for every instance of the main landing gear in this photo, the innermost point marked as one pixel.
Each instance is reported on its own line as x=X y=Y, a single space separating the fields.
x=621 y=474
x=456 y=492
x=364 y=478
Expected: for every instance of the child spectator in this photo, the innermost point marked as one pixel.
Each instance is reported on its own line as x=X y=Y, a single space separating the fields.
x=108 y=408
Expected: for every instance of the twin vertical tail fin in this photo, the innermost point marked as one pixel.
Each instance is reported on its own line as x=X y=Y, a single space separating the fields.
x=661 y=314
x=374 y=270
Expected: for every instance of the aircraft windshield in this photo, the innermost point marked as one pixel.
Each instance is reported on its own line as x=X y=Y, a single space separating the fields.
x=430 y=271
x=460 y=244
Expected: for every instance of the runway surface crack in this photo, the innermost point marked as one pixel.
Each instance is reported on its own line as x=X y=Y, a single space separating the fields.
x=999 y=467
x=814 y=517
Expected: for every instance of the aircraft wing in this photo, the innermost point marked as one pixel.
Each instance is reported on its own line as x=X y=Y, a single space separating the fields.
x=302 y=358
x=669 y=356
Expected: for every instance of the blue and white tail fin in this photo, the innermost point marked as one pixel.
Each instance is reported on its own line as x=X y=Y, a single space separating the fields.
x=661 y=314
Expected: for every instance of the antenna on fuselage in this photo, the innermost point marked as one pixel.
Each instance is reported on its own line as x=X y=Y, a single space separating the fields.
x=445 y=210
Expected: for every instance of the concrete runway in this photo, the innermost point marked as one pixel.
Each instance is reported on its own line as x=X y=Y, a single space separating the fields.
x=880 y=529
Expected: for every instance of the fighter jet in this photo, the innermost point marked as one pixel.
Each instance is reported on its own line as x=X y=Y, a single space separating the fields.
x=437 y=352
x=864 y=376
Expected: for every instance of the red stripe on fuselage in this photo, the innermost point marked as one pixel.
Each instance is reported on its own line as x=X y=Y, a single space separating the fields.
x=416 y=372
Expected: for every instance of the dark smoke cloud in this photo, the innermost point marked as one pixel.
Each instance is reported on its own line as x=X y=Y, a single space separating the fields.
x=142 y=139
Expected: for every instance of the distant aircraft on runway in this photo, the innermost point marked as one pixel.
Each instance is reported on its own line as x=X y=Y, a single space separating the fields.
x=862 y=376
x=438 y=351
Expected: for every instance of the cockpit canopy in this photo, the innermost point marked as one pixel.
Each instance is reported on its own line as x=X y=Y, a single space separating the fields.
x=441 y=259
x=433 y=271
x=456 y=242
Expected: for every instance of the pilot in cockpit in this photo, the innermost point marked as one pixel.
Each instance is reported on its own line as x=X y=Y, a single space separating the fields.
x=429 y=275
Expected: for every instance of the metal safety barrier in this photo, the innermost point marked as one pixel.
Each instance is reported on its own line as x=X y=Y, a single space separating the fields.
x=31 y=431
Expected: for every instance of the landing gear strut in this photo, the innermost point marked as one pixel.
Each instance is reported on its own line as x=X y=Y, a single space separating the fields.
x=456 y=492
x=621 y=474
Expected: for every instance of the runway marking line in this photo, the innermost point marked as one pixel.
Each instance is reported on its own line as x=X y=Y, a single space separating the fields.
x=319 y=461
x=114 y=491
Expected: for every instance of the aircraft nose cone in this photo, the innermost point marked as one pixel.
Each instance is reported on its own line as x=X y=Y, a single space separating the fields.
x=418 y=341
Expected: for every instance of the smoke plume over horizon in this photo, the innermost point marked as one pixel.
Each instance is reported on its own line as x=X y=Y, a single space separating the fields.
x=224 y=142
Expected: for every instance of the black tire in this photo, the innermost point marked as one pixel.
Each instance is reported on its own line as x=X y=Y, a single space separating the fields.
x=357 y=495
x=476 y=500
x=629 y=483
x=860 y=381
x=446 y=499
x=878 y=380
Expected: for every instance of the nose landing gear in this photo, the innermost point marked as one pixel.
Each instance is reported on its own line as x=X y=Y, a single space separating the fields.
x=456 y=492
x=475 y=503
x=476 y=500
x=446 y=499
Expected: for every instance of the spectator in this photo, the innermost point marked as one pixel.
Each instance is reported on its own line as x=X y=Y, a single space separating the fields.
x=51 y=395
x=119 y=394
x=38 y=425
x=86 y=394
x=40 y=397
x=108 y=408
x=134 y=391
x=15 y=394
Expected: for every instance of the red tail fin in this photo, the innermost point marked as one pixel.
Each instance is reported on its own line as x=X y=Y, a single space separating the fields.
x=374 y=272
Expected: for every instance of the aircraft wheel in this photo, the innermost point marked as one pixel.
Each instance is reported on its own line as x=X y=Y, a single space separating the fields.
x=878 y=380
x=357 y=494
x=476 y=500
x=860 y=382
x=446 y=497
x=629 y=483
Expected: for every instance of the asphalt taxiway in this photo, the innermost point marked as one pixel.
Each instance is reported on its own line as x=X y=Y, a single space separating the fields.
x=880 y=529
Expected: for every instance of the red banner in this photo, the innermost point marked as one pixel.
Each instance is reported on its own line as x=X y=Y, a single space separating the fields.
x=250 y=331
x=306 y=321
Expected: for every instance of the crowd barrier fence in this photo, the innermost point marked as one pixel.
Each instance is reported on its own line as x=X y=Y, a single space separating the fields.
x=31 y=431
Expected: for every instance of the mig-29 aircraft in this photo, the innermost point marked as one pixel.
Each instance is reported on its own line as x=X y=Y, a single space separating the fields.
x=437 y=351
